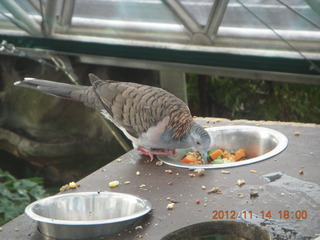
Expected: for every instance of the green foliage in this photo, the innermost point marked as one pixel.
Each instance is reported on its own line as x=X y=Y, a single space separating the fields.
x=193 y=89
x=265 y=100
x=16 y=194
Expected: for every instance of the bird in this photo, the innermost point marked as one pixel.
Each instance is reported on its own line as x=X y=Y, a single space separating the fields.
x=156 y=121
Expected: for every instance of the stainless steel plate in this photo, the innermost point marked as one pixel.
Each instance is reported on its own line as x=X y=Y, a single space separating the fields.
x=220 y=230
x=86 y=214
x=260 y=144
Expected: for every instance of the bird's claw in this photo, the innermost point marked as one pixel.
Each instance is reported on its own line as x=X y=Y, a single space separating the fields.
x=152 y=152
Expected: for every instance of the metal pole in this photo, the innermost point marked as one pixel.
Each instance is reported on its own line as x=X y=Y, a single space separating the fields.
x=215 y=17
x=49 y=17
x=186 y=19
x=67 y=13
x=19 y=13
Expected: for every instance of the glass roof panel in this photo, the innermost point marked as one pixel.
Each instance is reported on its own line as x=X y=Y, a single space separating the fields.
x=200 y=10
x=148 y=20
x=258 y=28
x=155 y=20
x=273 y=12
x=150 y=11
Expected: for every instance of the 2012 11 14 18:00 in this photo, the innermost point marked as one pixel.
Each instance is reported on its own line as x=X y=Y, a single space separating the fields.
x=282 y=214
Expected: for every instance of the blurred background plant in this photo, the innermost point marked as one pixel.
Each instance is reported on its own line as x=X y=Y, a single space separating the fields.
x=16 y=194
x=253 y=99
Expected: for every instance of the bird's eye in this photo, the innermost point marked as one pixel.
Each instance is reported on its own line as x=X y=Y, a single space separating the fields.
x=197 y=142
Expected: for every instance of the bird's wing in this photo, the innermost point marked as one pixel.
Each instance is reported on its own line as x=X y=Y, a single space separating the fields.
x=137 y=108
x=131 y=106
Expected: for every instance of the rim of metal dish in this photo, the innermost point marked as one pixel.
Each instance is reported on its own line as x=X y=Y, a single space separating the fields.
x=282 y=144
x=29 y=210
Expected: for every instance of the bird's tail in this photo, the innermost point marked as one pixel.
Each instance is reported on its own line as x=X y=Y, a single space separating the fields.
x=62 y=90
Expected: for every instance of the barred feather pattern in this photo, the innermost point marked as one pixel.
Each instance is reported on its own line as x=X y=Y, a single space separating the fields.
x=137 y=107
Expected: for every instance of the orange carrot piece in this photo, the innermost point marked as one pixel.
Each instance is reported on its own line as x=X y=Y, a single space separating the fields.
x=216 y=154
x=189 y=159
x=241 y=153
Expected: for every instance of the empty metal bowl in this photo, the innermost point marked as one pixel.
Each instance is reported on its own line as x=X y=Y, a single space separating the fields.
x=260 y=144
x=231 y=230
x=86 y=214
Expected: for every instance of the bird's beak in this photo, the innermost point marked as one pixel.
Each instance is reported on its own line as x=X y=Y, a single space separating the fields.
x=204 y=156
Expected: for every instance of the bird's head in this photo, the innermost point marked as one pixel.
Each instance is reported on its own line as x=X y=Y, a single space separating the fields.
x=200 y=140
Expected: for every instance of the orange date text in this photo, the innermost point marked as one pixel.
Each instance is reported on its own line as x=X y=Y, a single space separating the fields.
x=282 y=214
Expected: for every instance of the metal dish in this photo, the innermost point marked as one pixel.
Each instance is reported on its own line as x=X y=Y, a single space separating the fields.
x=86 y=214
x=220 y=230
x=260 y=144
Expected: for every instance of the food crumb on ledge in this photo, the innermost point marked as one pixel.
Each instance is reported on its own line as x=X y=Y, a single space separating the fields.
x=240 y=182
x=138 y=227
x=254 y=194
x=200 y=171
x=72 y=185
x=159 y=163
x=215 y=190
x=170 y=206
x=240 y=195
x=113 y=184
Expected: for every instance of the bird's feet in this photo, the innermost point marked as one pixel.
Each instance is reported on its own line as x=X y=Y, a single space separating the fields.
x=152 y=152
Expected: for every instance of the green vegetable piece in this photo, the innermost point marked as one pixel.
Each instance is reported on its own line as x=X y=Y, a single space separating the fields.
x=218 y=161
x=220 y=157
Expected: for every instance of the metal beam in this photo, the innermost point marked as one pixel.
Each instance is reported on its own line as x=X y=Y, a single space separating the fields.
x=215 y=18
x=49 y=17
x=35 y=4
x=214 y=71
x=179 y=67
x=185 y=18
x=19 y=13
x=67 y=13
x=63 y=63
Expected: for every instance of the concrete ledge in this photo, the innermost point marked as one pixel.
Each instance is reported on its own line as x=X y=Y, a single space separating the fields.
x=292 y=193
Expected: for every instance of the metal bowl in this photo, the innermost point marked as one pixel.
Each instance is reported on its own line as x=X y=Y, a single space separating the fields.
x=86 y=214
x=260 y=144
x=220 y=230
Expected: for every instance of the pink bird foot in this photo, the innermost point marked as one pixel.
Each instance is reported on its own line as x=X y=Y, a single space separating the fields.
x=152 y=152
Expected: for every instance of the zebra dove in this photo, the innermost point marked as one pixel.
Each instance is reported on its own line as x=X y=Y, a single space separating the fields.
x=154 y=120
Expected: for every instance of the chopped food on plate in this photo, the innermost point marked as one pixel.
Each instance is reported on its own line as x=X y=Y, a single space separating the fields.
x=217 y=156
